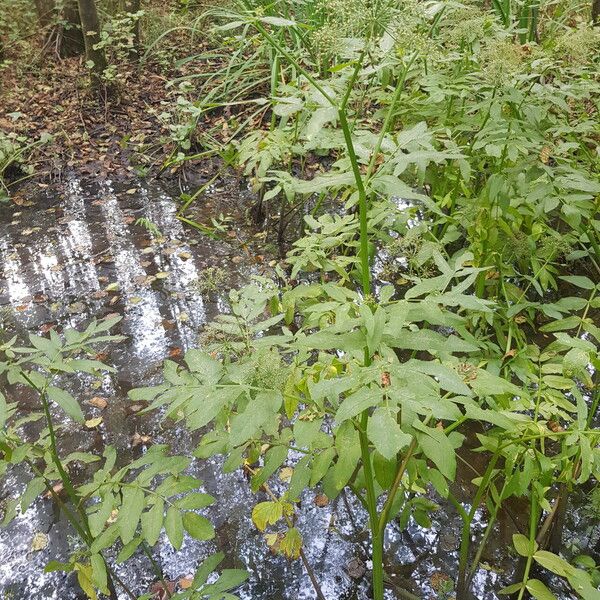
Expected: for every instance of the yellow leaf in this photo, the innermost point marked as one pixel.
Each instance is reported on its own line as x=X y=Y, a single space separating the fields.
x=286 y=473
x=84 y=577
x=266 y=513
x=92 y=423
x=291 y=544
x=39 y=542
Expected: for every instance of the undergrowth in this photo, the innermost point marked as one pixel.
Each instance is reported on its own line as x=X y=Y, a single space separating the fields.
x=443 y=160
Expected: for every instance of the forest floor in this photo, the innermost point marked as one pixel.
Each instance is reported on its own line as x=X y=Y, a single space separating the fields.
x=94 y=135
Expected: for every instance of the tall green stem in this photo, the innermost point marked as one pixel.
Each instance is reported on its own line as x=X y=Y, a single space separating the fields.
x=362 y=205
x=465 y=542
x=371 y=501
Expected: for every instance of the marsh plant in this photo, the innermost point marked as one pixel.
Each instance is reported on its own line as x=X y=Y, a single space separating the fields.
x=458 y=143
x=122 y=507
x=485 y=133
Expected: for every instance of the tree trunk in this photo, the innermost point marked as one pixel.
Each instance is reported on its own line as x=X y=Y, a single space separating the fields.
x=90 y=25
x=72 y=42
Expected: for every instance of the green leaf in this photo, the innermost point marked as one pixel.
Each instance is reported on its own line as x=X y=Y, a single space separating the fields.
x=257 y=413
x=198 y=527
x=66 y=402
x=561 y=325
x=448 y=378
x=427 y=340
x=523 y=546
x=321 y=465
x=204 y=365
x=99 y=575
x=487 y=384
x=34 y=488
x=3 y=410
x=438 y=481
x=580 y=281
x=229 y=579
x=437 y=447
x=84 y=578
x=374 y=323
x=107 y=538
x=348 y=449
x=385 y=433
x=195 y=501
x=206 y=568
x=356 y=403
x=511 y=589
x=306 y=431
x=539 y=590
x=274 y=458
x=128 y=550
x=554 y=563
x=152 y=522
x=385 y=470
x=54 y=565
x=130 y=512
x=300 y=478
x=174 y=527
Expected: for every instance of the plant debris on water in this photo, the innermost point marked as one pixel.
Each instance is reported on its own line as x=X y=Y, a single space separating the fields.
x=300 y=299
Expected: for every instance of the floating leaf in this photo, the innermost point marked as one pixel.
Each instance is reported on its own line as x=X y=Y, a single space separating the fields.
x=93 y=423
x=39 y=542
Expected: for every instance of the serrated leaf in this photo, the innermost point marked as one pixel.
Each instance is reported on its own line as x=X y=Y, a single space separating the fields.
x=266 y=513
x=152 y=522
x=130 y=512
x=291 y=544
x=356 y=403
x=385 y=433
x=437 y=448
x=174 y=527
x=198 y=527
x=66 y=401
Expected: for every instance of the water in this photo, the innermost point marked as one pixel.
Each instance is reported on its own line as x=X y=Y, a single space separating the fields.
x=75 y=252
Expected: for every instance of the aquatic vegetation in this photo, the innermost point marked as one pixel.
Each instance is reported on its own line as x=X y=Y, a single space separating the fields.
x=440 y=296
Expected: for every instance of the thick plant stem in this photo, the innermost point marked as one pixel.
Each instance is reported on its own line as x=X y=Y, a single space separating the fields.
x=462 y=583
x=533 y=519
x=362 y=205
x=157 y=570
x=377 y=535
x=66 y=480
